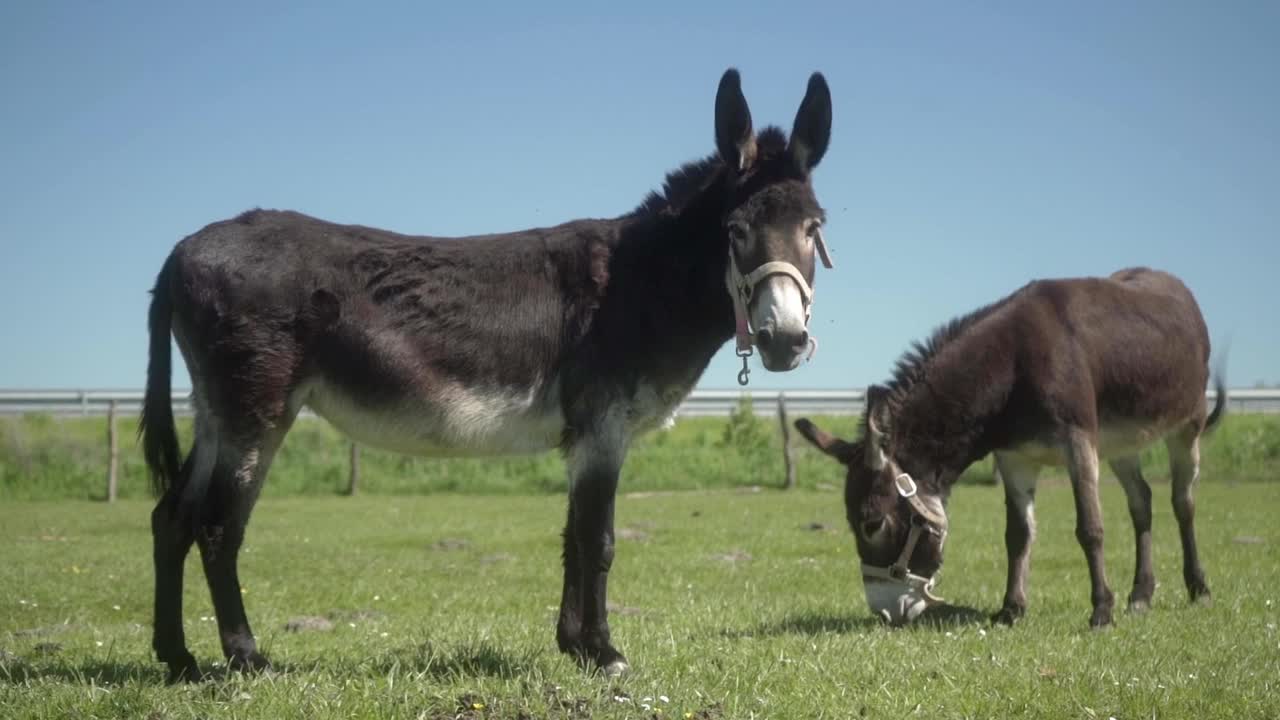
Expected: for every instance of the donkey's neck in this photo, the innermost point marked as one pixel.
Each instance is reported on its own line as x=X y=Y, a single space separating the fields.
x=671 y=285
x=951 y=414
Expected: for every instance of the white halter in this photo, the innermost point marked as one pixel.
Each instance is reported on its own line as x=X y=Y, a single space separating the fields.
x=923 y=519
x=742 y=287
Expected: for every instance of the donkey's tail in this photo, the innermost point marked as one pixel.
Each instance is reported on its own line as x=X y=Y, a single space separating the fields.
x=156 y=427
x=1219 y=402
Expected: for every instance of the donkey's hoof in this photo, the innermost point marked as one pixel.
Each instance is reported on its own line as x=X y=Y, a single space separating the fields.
x=1008 y=616
x=1101 y=619
x=615 y=669
x=1205 y=600
x=253 y=662
x=1139 y=606
x=184 y=670
x=609 y=662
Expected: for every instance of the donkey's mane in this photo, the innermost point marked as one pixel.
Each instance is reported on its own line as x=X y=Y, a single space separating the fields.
x=912 y=366
x=684 y=183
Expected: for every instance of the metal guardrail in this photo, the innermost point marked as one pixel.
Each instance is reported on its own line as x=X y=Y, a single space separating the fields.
x=700 y=403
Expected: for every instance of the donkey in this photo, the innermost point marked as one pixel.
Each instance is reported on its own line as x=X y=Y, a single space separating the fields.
x=1061 y=372
x=574 y=337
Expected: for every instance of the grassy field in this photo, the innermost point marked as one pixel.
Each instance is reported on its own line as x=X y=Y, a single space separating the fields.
x=730 y=604
x=65 y=458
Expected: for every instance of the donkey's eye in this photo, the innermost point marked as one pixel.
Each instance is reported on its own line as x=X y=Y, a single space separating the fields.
x=813 y=229
x=738 y=234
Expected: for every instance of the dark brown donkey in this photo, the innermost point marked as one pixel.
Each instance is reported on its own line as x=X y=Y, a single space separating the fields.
x=1061 y=372
x=575 y=337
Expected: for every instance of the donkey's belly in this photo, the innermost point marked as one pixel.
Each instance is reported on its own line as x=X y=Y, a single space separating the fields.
x=1116 y=438
x=1130 y=437
x=455 y=421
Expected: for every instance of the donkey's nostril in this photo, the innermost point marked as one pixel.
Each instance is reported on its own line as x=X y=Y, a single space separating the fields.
x=804 y=339
x=871 y=527
x=764 y=337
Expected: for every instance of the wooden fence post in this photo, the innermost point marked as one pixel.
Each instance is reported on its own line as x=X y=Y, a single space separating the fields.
x=790 y=480
x=353 y=482
x=113 y=453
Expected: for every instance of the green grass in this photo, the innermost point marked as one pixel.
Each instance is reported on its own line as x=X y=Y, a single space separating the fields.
x=432 y=629
x=65 y=458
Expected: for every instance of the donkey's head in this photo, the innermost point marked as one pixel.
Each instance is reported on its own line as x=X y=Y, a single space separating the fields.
x=899 y=524
x=772 y=221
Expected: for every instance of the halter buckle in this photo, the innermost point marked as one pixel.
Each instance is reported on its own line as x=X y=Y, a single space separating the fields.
x=905 y=489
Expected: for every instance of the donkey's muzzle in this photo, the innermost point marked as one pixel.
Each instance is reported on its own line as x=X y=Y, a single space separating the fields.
x=780 y=349
x=897 y=602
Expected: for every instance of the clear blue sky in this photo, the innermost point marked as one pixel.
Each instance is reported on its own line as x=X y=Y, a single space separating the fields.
x=974 y=148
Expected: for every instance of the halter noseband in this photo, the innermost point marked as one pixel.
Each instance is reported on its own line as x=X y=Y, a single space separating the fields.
x=742 y=287
x=923 y=519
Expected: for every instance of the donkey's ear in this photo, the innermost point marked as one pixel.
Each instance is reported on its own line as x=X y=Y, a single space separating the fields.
x=877 y=426
x=812 y=130
x=735 y=139
x=824 y=441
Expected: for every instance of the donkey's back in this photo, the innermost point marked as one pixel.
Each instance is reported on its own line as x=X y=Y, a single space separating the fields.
x=430 y=346
x=1127 y=354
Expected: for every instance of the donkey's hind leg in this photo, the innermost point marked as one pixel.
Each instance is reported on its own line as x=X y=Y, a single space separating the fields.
x=173 y=532
x=1082 y=462
x=237 y=479
x=1184 y=462
x=1128 y=471
x=172 y=536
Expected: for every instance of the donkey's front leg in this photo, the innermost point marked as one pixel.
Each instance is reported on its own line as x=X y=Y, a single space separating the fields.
x=583 y=628
x=1082 y=461
x=1019 y=477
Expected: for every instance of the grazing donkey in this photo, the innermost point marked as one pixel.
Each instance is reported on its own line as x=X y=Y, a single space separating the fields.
x=1061 y=372
x=575 y=337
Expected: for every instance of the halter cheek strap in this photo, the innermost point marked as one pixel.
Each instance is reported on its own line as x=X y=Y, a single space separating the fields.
x=742 y=287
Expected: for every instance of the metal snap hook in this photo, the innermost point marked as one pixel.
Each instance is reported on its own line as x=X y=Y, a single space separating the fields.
x=746 y=370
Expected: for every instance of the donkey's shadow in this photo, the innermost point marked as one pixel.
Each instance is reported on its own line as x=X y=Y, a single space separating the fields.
x=938 y=618
x=101 y=673
x=481 y=659
x=109 y=673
